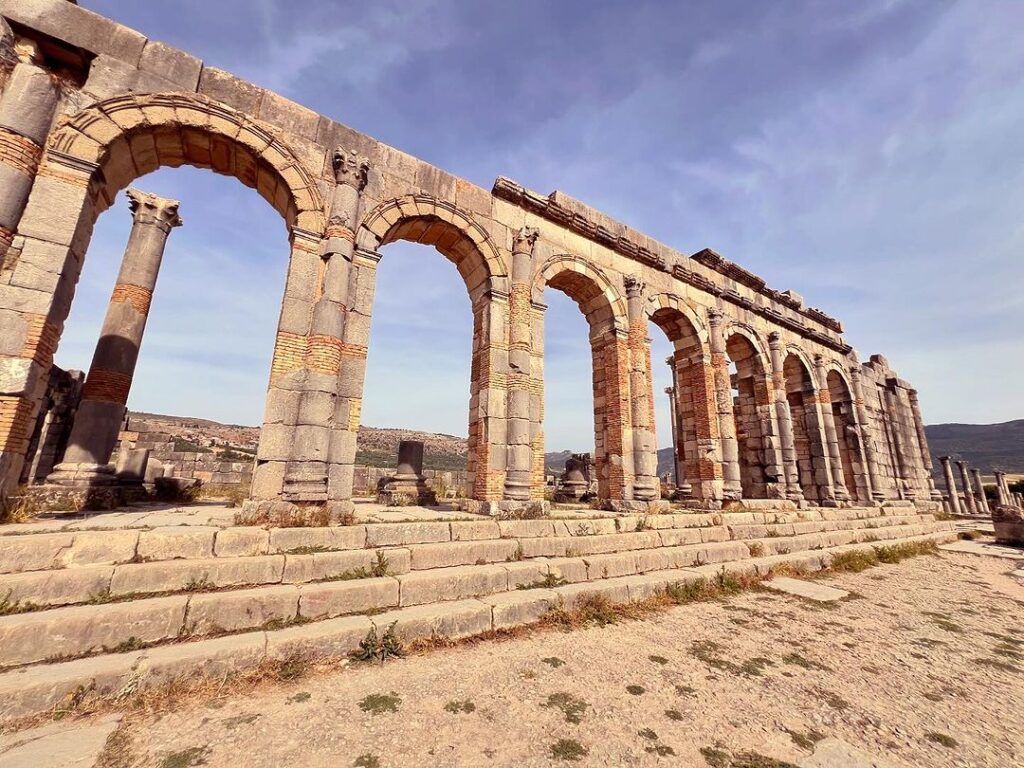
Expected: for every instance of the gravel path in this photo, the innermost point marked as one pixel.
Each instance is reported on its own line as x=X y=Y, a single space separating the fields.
x=923 y=664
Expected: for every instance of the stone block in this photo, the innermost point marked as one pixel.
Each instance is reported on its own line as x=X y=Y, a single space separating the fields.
x=455 y=583
x=226 y=88
x=398 y=534
x=475 y=530
x=289 y=116
x=333 y=538
x=179 y=542
x=513 y=609
x=78 y=26
x=99 y=548
x=178 y=575
x=526 y=529
x=171 y=64
x=572 y=595
x=674 y=537
x=334 y=637
x=724 y=552
x=572 y=569
x=243 y=541
x=32 y=552
x=339 y=598
x=611 y=566
x=243 y=609
x=52 y=588
x=448 y=620
x=448 y=554
x=331 y=565
x=88 y=629
x=526 y=574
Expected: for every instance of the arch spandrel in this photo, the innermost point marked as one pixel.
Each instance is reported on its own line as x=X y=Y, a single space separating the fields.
x=130 y=136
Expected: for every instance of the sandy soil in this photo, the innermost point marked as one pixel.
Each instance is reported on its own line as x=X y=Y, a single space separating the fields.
x=929 y=646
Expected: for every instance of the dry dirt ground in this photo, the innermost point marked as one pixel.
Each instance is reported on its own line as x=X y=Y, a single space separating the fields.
x=923 y=664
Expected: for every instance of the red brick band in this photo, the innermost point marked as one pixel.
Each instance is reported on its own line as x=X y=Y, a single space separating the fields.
x=19 y=153
x=139 y=298
x=107 y=386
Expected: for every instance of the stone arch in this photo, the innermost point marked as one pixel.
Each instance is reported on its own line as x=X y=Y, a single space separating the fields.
x=597 y=297
x=606 y=313
x=808 y=438
x=752 y=410
x=429 y=220
x=129 y=136
x=695 y=422
x=848 y=431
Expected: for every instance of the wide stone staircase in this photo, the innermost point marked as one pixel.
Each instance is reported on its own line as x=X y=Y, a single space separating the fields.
x=114 y=609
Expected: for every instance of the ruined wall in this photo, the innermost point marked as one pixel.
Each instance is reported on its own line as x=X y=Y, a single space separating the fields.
x=104 y=105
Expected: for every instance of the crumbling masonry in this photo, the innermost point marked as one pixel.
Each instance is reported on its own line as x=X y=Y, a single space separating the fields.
x=769 y=400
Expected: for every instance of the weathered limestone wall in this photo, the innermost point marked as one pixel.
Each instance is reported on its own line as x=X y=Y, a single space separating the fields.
x=124 y=106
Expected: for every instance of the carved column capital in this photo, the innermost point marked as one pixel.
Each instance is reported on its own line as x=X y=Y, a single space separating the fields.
x=350 y=168
x=775 y=340
x=634 y=286
x=147 y=208
x=715 y=317
x=819 y=361
x=524 y=239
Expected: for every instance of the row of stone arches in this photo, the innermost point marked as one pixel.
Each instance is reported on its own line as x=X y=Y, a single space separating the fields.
x=323 y=337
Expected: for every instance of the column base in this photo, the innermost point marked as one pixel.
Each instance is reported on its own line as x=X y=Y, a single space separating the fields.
x=409 y=491
x=70 y=498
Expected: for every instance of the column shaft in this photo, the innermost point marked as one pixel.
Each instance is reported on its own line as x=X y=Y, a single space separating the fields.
x=965 y=478
x=732 y=489
x=866 y=441
x=645 y=454
x=828 y=422
x=922 y=442
x=791 y=471
x=520 y=435
x=954 y=497
x=979 y=487
x=105 y=394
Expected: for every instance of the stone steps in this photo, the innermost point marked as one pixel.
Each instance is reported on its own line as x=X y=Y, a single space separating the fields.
x=29 y=690
x=78 y=630
x=345 y=552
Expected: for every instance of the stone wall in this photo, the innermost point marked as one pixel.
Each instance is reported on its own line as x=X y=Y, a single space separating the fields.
x=103 y=105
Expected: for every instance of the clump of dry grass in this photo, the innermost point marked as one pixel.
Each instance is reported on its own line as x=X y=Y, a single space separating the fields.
x=292 y=516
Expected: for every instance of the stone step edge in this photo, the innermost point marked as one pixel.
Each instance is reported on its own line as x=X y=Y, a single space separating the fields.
x=36 y=690
x=94 y=576
x=119 y=547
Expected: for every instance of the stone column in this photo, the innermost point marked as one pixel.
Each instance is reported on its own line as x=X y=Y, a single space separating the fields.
x=866 y=441
x=105 y=393
x=27 y=107
x=982 y=500
x=954 y=497
x=519 y=436
x=1002 y=488
x=831 y=435
x=732 y=490
x=671 y=392
x=965 y=477
x=902 y=453
x=645 y=452
x=791 y=472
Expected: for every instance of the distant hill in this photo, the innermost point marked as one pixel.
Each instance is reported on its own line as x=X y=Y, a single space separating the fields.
x=985 y=446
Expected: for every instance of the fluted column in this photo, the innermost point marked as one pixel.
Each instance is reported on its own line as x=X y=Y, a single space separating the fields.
x=954 y=497
x=519 y=435
x=105 y=394
x=965 y=478
x=732 y=489
x=27 y=107
x=791 y=471
x=645 y=452
x=867 y=442
x=828 y=422
x=981 y=499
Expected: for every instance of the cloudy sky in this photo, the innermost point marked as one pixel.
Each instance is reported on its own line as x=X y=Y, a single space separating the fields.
x=868 y=155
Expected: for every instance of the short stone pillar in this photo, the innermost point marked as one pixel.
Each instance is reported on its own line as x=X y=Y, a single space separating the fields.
x=574 y=483
x=407 y=487
x=979 y=488
x=965 y=477
x=105 y=394
x=954 y=497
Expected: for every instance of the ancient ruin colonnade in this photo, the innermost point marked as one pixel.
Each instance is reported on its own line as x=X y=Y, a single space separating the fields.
x=770 y=401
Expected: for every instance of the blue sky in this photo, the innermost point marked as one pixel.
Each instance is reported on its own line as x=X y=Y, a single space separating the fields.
x=867 y=155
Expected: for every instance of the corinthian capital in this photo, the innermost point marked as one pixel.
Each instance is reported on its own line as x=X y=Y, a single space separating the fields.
x=350 y=168
x=524 y=238
x=634 y=286
x=147 y=208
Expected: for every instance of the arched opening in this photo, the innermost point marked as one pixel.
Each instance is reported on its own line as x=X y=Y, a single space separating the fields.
x=847 y=434
x=111 y=144
x=800 y=395
x=605 y=315
x=428 y=221
x=752 y=414
x=690 y=400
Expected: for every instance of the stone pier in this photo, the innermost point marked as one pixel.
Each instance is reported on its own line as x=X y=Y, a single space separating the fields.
x=105 y=393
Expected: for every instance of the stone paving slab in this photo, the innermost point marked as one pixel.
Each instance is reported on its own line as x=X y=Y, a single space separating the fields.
x=985 y=548
x=806 y=589
x=57 y=746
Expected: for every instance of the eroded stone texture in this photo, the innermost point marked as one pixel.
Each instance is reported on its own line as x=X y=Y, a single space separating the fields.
x=802 y=418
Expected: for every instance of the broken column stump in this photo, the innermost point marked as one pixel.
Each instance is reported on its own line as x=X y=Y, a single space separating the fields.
x=407 y=487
